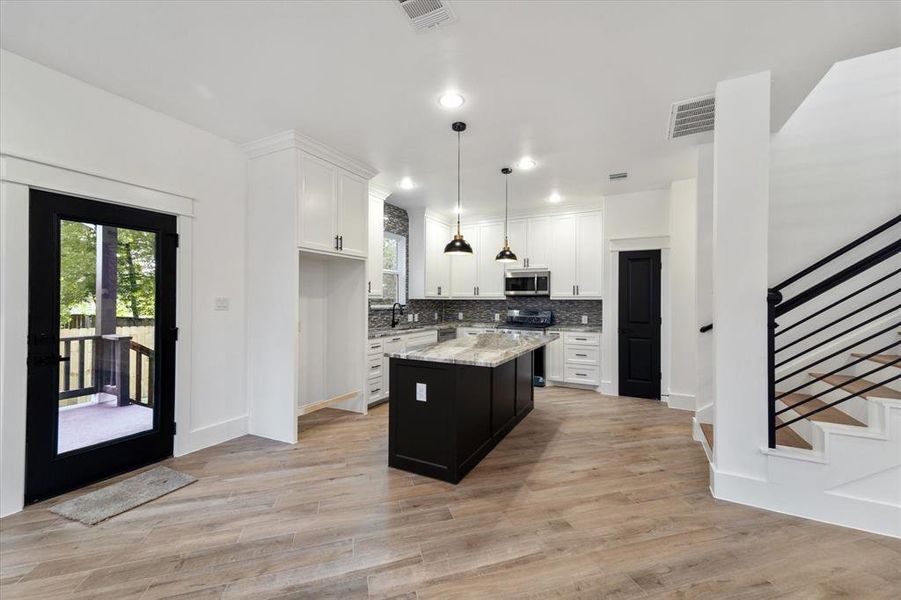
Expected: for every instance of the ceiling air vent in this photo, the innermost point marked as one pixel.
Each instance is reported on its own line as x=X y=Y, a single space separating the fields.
x=688 y=117
x=615 y=176
x=428 y=14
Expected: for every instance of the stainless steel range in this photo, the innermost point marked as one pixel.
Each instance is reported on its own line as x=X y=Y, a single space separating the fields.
x=530 y=320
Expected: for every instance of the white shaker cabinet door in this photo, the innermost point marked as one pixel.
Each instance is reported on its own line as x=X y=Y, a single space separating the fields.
x=490 y=281
x=374 y=259
x=563 y=257
x=464 y=267
x=437 y=263
x=589 y=256
x=317 y=214
x=353 y=210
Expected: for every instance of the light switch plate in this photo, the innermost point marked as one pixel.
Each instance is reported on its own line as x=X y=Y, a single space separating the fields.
x=459 y=316
x=584 y=319
x=421 y=392
x=497 y=316
x=416 y=317
x=435 y=317
x=409 y=318
x=221 y=303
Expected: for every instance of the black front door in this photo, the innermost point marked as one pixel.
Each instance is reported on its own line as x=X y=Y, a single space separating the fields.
x=639 y=324
x=101 y=341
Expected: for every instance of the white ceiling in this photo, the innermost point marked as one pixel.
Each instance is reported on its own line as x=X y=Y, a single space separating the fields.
x=583 y=87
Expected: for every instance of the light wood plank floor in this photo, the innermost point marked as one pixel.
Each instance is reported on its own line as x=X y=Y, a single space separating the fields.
x=590 y=497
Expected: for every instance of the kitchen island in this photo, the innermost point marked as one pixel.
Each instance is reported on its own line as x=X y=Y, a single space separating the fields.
x=452 y=402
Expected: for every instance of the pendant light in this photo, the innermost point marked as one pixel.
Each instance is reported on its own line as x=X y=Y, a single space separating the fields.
x=505 y=255
x=458 y=246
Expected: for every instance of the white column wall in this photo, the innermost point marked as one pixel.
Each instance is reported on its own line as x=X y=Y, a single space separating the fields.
x=741 y=202
x=683 y=322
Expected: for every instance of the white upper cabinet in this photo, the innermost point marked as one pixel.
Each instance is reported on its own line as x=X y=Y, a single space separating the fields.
x=517 y=233
x=589 y=256
x=490 y=275
x=562 y=256
x=374 y=260
x=332 y=208
x=437 y=263
x=464 y=267
x=539 y=243
x=317 y=214
x=353 y=207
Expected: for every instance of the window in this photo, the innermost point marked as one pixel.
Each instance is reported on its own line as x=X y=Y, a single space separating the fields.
x=394 y=269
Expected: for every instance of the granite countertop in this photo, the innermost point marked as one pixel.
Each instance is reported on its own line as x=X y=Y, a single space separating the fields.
x=483 y=350
x=415 y=328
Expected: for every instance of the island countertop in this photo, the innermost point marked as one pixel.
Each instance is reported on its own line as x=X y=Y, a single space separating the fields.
x=483 y=350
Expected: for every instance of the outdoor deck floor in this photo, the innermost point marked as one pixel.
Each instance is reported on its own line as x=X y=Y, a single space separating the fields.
x=89 y=424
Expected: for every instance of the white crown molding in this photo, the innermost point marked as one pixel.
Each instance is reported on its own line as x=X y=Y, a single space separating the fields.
x=294 y=139
x=379 y=192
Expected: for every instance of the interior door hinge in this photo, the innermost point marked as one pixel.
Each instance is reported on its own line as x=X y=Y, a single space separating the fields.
x=175 y=333
x=660 y=320
x=175 y=237
x=174 y=427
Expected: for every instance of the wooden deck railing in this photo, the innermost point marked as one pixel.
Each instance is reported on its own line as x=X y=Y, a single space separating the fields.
x=110 y=368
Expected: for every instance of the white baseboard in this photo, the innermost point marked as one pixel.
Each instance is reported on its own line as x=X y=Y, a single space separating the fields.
x=681 y=401
x=856 y=513
x=210 y=435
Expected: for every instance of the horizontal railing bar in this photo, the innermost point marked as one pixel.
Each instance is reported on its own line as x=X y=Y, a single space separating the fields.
x=843 y=250
x=835 y=387
x=838 y=335
x=75 y=338
x=840 y=319
x=839 y=278
x=822 y=408
x=76 y=393
x=838 y=352
x=837 y=302
x=841 y=368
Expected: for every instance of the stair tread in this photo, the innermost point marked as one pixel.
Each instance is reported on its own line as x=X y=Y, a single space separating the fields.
x=886 y=359
x=858 y=386
x=707 y=430
x=787 y=436
x=830 y=415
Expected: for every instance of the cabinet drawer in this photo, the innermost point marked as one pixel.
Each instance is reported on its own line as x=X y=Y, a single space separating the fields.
x=375 y=347
x=374 y=368
x=375 y=389
x=581 y=374
x=582 y=339
x=422 y=339
x=582 y=355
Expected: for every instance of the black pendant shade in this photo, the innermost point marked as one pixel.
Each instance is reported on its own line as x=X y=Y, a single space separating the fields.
x=458 y=246
x=505 y=255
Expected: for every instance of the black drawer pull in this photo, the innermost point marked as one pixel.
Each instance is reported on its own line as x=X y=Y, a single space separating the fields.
x=581 y=355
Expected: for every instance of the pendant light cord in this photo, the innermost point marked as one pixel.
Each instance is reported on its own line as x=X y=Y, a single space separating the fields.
x=458 y=183
x=506 y=202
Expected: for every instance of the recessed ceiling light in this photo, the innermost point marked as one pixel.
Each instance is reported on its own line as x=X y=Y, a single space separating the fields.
x=554 y=197
x=407 y=184
x=526 y=163
x=451 y=100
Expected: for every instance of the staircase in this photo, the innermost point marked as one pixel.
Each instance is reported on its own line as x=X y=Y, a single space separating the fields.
x=834 y=378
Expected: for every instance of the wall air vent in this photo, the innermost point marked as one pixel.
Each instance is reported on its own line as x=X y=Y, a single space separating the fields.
x=688 y=117
x=615 y=176
x=428 y=14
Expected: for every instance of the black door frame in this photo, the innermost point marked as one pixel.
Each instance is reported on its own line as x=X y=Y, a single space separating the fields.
x=655 y=255
x=46 y=473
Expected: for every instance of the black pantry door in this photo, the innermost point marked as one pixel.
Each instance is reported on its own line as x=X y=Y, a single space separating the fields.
x=639 y=324
x=101 y=341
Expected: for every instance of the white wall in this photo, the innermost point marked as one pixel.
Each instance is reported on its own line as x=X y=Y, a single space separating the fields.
x=704 y=274
x=56 y=119
x=684 y=321
x=836 y=163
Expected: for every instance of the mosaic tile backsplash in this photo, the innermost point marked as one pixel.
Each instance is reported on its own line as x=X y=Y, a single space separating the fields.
x=566 y=312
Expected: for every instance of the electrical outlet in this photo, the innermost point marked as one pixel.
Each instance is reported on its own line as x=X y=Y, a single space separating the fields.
x=459 y=316
x=584 y=319
x=221 y=303
x=435 y=317
x=409 y=318
x=497 y=316
x=416 y=317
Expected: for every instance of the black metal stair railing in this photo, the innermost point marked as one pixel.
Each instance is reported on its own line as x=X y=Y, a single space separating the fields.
x=777 y=307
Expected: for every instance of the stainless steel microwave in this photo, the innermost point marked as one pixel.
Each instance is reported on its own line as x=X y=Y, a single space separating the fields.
x=522 y=282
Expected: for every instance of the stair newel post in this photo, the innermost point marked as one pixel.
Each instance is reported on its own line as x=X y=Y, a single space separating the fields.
x=773 y=298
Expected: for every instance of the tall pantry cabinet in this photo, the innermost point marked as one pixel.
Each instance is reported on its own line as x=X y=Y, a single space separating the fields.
x=307 y=241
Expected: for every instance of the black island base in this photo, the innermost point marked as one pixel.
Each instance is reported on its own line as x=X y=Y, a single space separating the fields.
x=444 y=418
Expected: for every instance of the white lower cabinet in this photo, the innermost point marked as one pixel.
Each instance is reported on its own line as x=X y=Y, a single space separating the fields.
x=574 y=358
x=379 y=364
